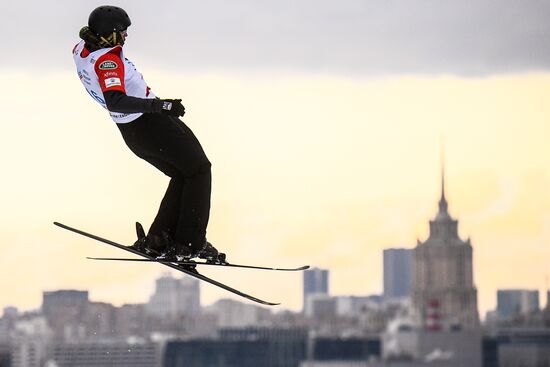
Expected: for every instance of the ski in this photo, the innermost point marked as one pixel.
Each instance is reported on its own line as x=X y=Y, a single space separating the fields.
x=191 y=271
x=191 y=262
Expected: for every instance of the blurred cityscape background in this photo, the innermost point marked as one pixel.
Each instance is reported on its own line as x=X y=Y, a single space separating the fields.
x=426 y=316
x=317 y=116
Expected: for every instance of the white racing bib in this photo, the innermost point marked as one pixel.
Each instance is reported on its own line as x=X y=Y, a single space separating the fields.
x=108 y=75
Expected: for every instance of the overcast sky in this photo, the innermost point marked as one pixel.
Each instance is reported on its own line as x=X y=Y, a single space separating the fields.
x=357 y=37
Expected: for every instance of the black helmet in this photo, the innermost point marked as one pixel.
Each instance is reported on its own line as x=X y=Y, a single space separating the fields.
x=107 y=19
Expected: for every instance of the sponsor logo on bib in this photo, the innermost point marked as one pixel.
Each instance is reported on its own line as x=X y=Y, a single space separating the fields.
x=108 y=65
x=111 y=82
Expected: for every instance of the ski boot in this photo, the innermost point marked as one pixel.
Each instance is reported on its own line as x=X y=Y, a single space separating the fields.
x=175 y=253
x=209 y=253
x=141 y=244
x=153 y=245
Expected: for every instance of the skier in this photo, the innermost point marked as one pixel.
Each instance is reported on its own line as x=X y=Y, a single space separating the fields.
x=152 y=130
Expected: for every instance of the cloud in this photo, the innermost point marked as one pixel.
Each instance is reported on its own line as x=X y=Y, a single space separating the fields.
x=351 y=37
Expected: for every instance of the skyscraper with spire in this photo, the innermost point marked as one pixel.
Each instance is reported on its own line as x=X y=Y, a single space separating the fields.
x=443 y=273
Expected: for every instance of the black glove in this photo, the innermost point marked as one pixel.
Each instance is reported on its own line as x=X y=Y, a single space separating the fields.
x=171 y=107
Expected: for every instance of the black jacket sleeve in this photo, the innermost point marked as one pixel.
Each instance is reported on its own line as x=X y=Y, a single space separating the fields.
x=119 y=102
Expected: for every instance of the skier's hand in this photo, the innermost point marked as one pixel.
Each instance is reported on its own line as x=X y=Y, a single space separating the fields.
x=172 y=107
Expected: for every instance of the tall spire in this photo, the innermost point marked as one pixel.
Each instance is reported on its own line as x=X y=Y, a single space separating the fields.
x=443 y=206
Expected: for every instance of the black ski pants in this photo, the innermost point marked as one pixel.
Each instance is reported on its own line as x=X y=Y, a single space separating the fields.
x=169 y=145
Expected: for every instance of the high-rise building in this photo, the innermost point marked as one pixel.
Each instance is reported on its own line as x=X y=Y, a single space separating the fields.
x=174 y=297
x=443 y=273
x=64 y=310
x=397 y=273
x=514 y=302
x=315 y=284
x=52 y=301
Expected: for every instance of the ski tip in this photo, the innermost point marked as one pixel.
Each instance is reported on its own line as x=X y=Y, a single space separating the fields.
x=265 y=302
x=64 y=226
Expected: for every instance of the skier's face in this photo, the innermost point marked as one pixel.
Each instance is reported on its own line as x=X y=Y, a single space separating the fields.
x=124 y=34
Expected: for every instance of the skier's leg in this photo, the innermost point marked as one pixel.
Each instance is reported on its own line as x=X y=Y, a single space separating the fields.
x=184 y=153
x=195 y=208
x=147 y=137
x=171 y=146
x=167 y=217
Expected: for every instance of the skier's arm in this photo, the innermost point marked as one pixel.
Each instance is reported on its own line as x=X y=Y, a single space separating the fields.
x=110 y=71
x=118 y=101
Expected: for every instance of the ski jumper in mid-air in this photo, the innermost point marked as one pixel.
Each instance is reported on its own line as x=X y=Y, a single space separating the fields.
x=152 y=130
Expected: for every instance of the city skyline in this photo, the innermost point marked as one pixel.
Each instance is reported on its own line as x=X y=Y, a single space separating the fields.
x=539 y=297
x=176 y=297
x=322 y=121
x=323 y=283
x=377 y=288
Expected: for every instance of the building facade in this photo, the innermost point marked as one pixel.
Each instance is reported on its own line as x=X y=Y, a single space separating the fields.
x=315 y=285
x=443 y=290
x=230 y=313
x=64 y=310
x=515 y=302
x=107 y=353
x=175 y=297
x=397 y=273
x=248 y=347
